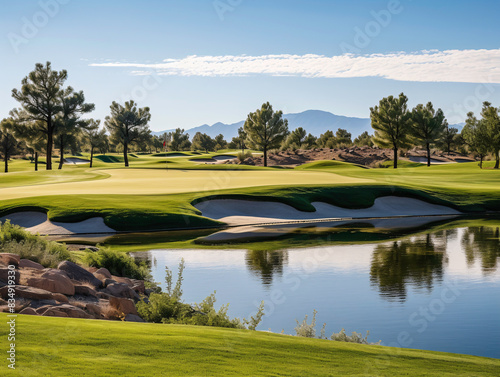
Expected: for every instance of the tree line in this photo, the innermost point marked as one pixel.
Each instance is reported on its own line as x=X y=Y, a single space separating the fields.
x=51 y=116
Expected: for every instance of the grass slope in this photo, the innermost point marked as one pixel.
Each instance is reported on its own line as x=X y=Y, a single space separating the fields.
x=73 y=347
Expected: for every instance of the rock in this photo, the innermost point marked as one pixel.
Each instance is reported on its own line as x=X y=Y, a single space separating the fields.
x=133 y=318
x=9 y=259
x=28 y=311
x=121 y=290
x=85 y=291
x=65 y=310
x=103 y=295
x=59 y=297
x=109 y=282
x=104 y=272
x=138 y=286
x=4 y=275
x=123 y=305
x=50 y=279
x=123 y=280
x=78 y=273
x=27 y=292
x=26 y=263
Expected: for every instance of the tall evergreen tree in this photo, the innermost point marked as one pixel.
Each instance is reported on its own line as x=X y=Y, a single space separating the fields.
x=491 y=118
x=448 y=138
x=475 y=136
x=203 y=142
x=8 y=143
x=391 y=121
x=127 y=124
x=41 y=97
x=179 y=140
x=428 y=126
x=95 y=138
x=265 y=129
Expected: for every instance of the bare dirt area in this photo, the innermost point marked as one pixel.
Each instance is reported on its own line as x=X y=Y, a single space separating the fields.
x=366 y=156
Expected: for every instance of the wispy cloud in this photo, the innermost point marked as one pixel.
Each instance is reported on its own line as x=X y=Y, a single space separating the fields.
x=472 y=66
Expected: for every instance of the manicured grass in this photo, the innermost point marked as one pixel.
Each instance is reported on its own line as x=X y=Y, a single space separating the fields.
x=148 y=196
x=71 y=347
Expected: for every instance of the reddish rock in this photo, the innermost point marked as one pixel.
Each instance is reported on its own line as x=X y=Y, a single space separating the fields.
x=26 y=263
x=51 y=280
x=5 y=274
x=27 y=292
x=124 y=280
x=123 y=305
x=78 y=273
x=9 y=258
x=65 y=310
x=121 y=290
x=60 y=297
x=85 y=291
x=139 y=286
x=104 y=271
x=28 y=311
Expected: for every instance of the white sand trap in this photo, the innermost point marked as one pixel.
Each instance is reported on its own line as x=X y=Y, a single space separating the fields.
x=76 y=161
x=37 y=222
x=246 y=212
x=423 y=160
x=252 y=232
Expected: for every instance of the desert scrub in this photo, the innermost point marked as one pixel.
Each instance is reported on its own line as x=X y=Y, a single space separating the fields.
x=16 y=240
x=168 y=307
x=242 y=156
x=308 y=330
x=118 y=263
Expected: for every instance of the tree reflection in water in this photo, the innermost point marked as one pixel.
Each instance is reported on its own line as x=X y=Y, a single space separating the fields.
x=482 y=243
x=417 y=261
x=265 y=263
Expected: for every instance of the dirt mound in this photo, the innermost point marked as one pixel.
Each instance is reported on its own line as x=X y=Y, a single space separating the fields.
x=366 y=156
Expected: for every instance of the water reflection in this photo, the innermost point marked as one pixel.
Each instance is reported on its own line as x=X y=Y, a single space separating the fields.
x=265 y=264
x=417 y=262
x=482 y=243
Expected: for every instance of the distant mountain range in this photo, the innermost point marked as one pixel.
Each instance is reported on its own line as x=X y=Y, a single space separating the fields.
x=315 y=122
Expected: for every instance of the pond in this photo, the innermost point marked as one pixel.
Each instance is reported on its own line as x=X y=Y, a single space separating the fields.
x=436 y=290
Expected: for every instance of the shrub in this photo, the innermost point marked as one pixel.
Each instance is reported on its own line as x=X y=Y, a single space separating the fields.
x=117 y=263
x=167 y=307
x=16 y=240
x=307 y=330
x=242 y=156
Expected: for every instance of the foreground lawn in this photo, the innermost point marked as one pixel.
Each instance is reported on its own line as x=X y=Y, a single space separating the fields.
x=73 y=347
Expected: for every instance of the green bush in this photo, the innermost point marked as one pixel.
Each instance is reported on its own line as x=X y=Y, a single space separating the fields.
x=167 y=307
x=16 y=240
x=118 y=263
x=242 y=156
x=307 y=330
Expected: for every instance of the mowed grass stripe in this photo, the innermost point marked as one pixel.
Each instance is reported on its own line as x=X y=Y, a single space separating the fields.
x=72 y=347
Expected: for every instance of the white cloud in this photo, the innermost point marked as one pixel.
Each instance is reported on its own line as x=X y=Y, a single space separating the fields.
x=473 y=66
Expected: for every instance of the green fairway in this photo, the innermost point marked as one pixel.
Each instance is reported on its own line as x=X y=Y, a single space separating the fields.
x=148 y=196
x=71 y=347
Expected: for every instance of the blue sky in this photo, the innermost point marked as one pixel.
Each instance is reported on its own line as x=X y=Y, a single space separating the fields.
x=116 y=50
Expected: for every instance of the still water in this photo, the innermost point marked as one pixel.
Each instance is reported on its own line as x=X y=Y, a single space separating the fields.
x=437 y=291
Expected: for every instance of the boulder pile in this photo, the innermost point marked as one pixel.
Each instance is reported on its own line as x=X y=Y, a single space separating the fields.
x=68 y=290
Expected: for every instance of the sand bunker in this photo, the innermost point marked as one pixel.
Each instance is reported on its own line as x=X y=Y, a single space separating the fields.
x=246 y=212
x=37 y=222
x=76 y=161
